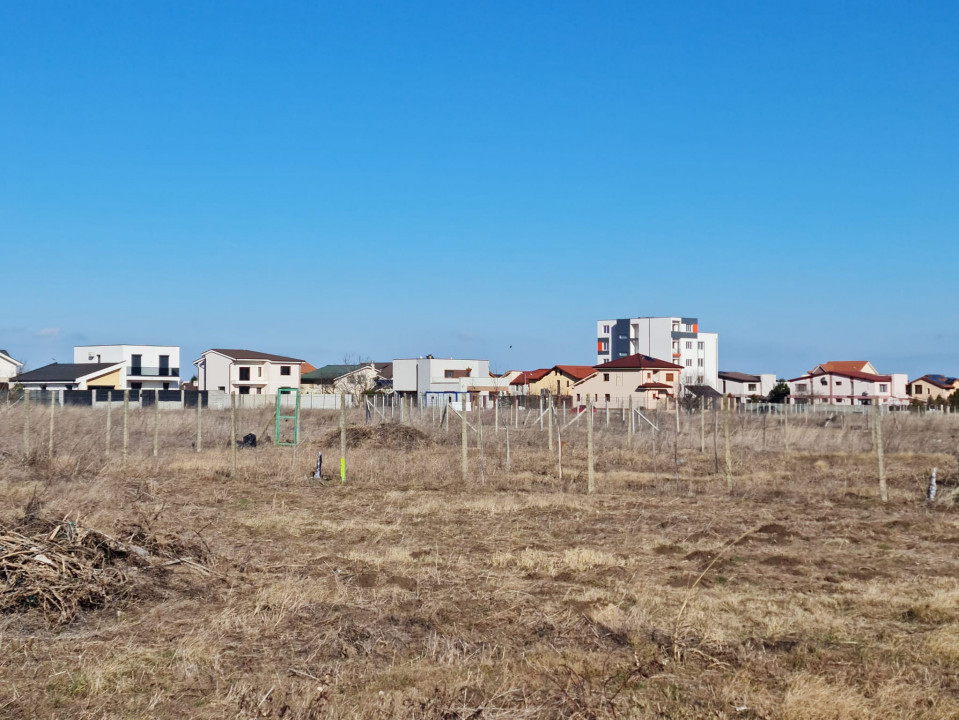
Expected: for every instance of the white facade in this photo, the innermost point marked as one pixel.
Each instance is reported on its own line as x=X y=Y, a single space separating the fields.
x=244 y=372
x=677 y=339
x=743 y=386
x=8 y=367
x=844 y=388
x=430 y=377
x=150 y=367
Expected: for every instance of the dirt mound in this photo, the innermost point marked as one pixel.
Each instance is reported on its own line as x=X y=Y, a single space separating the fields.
x=400 y=437
x=60 y=568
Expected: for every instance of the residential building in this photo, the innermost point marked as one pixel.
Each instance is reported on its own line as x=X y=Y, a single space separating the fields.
x=676 y=338
x=246 y=372
x=645 y=380
x=525 y=382
x=147 y=367
x=353 y=379
x=847 y=382
x=557 y=380
x=8 y=367
x=74 y=376
x=743 y=386
x=439 y=380
x=932 y=387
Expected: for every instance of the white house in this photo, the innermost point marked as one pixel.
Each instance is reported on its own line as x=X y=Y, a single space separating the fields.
x=147 y=367
x=677 y=339
x=743 y=385
x=8 y=367
x=848 y=382
x=246 y=372
x=438 y=380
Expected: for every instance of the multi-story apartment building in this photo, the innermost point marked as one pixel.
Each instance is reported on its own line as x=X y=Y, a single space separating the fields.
x=147 y=367
x=676 y=338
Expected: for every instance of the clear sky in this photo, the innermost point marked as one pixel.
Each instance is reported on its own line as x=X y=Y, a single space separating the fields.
x=380 y=180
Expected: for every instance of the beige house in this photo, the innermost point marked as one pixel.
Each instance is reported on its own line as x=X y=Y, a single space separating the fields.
x=246 y=372
x=648 y=381
x=932 y=387
x=557 y=380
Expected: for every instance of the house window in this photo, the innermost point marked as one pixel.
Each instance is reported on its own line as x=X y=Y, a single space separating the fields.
x=689 y=363
x=245 y=390
x=244 y=374
x=838 y=383
x=607 y=397
x=917 y=389
x=259 y=371
x=449 y=374
x=801 y=388
x=136 y=386
x=605 y=377
x=603 y=345
x=700 y=362
x=689 y=344
x=752 y=387
x=669 y=377
x=284 y=369
x=701 y=345
x=166 y=386
x=136 y=364
x=605 y=328
x=883 y=388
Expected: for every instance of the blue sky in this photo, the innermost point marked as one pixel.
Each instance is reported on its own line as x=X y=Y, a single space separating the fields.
x=380 y=180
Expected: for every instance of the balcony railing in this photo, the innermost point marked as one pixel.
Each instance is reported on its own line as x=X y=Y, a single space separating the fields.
x=141 y=371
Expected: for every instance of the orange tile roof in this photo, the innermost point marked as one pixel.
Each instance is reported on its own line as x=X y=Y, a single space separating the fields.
x=529 y=376
x=579 y=372
x=844 y=365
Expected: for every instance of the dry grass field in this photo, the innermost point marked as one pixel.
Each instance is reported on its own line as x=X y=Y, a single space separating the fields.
x=407 y=592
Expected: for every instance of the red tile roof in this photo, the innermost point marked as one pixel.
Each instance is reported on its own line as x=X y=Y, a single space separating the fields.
x=529 y=376
x=638 y=362
x=848 y=374
x=655 y=386
x=577 y=372
x=835 y=366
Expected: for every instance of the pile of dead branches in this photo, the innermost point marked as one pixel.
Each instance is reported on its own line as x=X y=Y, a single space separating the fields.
x=61 y=568
x=59 y=572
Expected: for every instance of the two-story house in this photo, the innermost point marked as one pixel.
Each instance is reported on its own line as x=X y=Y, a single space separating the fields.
x=648 y=381
x=146 y=367
x=246 y=372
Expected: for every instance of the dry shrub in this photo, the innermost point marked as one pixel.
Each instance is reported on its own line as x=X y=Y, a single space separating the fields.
x=396 y=437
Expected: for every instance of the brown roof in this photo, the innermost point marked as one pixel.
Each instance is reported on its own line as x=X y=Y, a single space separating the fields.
x=739 y=377
x=852 y=375
x=529 y=376
x=638 y=362
x=254 y=355
x=577 y=372
x=655 y=386
x=834 y=366
x=306 y=367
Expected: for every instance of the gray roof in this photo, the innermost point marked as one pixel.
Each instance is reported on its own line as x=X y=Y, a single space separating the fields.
x=329 y=373
x=703 y=391
x=739 y=377
x=61 y=372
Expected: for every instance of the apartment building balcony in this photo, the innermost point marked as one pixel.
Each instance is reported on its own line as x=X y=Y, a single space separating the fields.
x=140 y=371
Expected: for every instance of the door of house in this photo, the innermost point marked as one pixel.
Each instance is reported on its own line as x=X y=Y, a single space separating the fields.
x=164 y=365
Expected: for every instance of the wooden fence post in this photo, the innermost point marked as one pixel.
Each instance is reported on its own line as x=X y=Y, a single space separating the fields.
x=53 y=401
x=883 y=492
x=233 y=434
x=26 y=422
x=729 y=457
x=716 y=433
x=590 y=475
x=343 y=437
x=632 y=423
x=702 y=425
x=156 y=423
x=126 y=423
x=199 y=426
x=109 y=419
x=465 y=441
x=549 y=410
